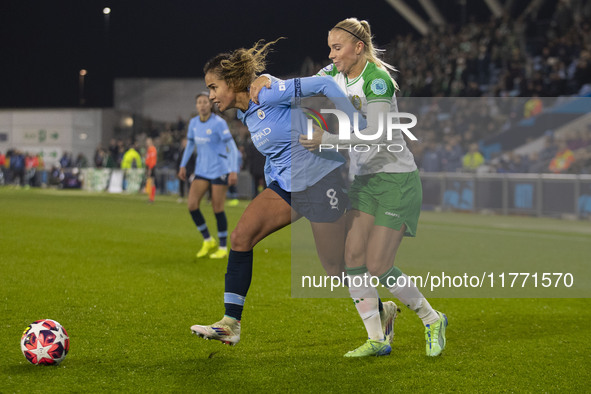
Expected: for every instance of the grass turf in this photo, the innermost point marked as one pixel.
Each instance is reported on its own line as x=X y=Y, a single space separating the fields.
x=121 y=277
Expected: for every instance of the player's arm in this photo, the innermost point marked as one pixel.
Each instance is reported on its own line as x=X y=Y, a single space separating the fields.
x=263 y=81
x=233 y=160
x=182 y=175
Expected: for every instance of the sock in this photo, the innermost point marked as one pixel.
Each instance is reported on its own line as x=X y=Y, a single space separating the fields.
x=238 y=277
x=380 y=303
x=220 y=217
x=200 y=223
x=366 y=301
x=403 y=288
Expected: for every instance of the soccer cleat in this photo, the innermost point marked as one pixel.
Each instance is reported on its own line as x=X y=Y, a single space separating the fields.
x=221 y=253
x=226 y=331
x=387 y=316
x=371 y=348
x=207 y=248
x=435 y=335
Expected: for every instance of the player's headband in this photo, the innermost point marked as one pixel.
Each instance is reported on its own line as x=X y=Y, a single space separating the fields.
x=353 y=34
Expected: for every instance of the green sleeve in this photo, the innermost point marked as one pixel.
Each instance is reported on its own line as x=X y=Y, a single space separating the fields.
x=378 y=86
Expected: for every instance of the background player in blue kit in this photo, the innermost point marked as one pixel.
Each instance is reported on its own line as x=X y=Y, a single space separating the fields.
x=216 y=164
x=294 y=174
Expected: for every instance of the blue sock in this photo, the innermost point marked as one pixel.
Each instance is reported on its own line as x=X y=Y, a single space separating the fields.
x=220 y=217
x=200 y=222
x=238 y=277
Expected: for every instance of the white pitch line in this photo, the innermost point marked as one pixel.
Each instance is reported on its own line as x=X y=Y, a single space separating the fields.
x=573 y=237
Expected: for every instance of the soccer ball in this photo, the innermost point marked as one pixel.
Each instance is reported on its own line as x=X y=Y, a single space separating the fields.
x=45 y=342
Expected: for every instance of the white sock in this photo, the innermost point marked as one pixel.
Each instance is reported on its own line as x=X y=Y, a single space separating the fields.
x=366 y=302
x=410 y=295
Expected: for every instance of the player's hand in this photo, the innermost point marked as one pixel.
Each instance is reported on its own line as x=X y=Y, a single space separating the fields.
x=232 y=179
x=182 y=175
x=257 y=85
x=316 y=140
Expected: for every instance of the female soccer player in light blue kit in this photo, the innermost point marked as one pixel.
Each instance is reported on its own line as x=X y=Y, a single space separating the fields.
x=216 y=164
x=294 y=175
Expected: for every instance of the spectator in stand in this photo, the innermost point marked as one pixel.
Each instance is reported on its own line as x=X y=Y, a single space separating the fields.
x=452 y=155
x=518 y=164
x=66 y=160
x=2 y=167
x=100 y=157
x=576 y=140
x=533 y=107
x=431 y=160
x=31 y=164
x=533 y=163
x=81 y=161
x=473 y=159
x=131 y=158
x=563 y=159
x=17 y=167
x=549 y=150
x=114 y=154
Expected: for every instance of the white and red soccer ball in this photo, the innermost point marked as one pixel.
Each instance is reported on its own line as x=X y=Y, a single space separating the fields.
x=45 y=342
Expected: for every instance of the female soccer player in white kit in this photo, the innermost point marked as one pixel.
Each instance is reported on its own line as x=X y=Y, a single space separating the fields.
x=386 y=194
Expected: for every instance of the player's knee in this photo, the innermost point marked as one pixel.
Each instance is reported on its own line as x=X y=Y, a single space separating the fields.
x=333 y=267
x=354 y=256
x=241 y=239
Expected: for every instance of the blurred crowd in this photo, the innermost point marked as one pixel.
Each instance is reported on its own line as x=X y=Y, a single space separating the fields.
x=522 y=59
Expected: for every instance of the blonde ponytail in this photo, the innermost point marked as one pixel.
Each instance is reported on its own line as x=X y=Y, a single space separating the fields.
x=361 y=31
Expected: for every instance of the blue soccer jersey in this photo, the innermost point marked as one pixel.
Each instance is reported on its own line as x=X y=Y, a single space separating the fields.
x=217 y=153
x=275 y=128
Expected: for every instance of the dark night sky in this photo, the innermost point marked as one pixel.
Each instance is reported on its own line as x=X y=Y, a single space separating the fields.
x=46 y=43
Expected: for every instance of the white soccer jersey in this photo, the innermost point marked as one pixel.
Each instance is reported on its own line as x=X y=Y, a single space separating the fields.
x=373 y=85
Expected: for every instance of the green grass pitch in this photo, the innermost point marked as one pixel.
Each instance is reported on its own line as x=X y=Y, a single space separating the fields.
x=121 y=277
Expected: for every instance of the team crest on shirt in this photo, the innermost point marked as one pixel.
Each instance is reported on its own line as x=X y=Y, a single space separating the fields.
x=261 y=114
x=208 y=131
x=356 y=101
x=378 y=86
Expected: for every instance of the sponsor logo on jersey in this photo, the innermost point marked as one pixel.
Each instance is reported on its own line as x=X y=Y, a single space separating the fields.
x=328 y=68
x=392 y=214
x=356 y=101
x=261 y=114
x=378 y=86
x=260 y=137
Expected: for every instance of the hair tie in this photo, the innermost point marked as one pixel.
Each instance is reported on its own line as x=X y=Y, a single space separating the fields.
x=353 y=34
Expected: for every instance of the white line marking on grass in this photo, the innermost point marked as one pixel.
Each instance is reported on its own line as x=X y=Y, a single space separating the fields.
x=579 y=238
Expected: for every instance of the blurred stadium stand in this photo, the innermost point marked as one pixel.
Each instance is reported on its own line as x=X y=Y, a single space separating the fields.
x=513 y=78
